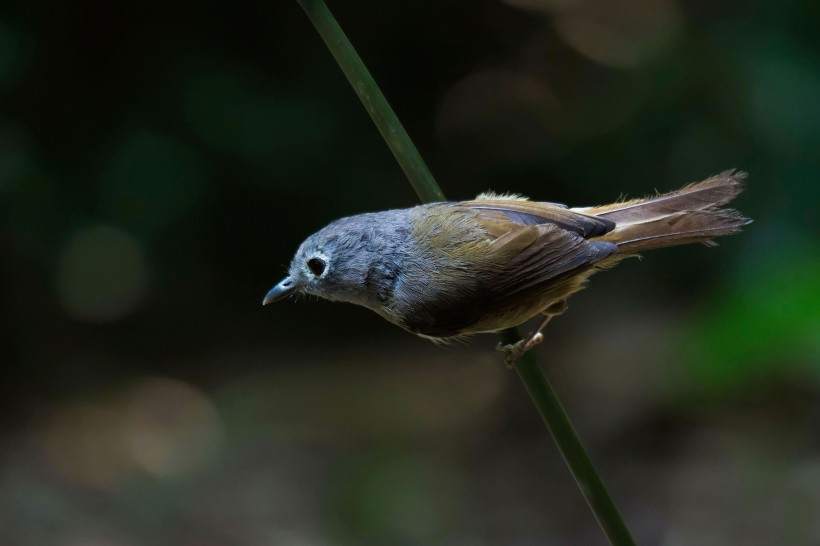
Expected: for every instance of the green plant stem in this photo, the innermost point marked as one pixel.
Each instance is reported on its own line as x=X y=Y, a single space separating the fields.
x=373 y=100
x=428 y=190
x=553 y=414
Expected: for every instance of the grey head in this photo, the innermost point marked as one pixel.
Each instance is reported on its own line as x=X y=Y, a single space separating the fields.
x=354 y=259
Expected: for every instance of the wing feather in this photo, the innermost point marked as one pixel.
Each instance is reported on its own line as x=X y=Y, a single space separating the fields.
x=527 y=258
x=512 y=268
x=547 y=253
x=524 y=212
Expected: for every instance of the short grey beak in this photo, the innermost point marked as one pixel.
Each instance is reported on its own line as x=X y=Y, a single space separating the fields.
x=281 y=290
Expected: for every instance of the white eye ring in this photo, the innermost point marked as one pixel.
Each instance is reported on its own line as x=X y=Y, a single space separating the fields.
x=316 y=266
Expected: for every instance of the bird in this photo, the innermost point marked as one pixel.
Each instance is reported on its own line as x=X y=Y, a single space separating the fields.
x=448 y=270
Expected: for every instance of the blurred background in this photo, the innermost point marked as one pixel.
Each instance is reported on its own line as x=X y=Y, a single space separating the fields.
x=160 y=163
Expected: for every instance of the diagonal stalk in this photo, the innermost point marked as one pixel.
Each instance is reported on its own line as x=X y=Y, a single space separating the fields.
x=557 y=420
x=539 y=389
x=373 y=100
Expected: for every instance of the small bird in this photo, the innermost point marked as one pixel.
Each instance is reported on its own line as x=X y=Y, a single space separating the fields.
x=449 y=270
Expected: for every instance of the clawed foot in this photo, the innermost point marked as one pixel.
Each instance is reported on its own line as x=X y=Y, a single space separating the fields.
x=515 y=351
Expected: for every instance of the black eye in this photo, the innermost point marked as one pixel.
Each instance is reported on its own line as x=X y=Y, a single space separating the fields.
x=316 y=266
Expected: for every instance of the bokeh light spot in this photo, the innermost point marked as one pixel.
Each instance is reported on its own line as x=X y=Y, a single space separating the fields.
x=171 y=429
x=498 y=115
x=102 y=274
x=621 y=34
x=766 y=324
x=163 y=427
x=79 y=443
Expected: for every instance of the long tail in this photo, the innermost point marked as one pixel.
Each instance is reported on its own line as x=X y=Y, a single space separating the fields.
x=689 y=215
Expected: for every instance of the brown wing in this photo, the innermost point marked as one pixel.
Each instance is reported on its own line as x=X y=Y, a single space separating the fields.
x=524 y=212
x=528 y=256
x=526 y=250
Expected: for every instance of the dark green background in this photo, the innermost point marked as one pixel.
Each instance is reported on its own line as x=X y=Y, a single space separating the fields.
x=160 y=163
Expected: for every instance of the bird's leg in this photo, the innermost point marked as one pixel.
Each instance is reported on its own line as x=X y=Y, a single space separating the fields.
x=516 y=350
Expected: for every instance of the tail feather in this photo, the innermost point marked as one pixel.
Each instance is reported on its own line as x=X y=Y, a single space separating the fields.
x=689 y=215
x=679 y=229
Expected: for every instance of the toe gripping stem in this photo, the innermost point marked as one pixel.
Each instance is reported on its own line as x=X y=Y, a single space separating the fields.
x=516 y=350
